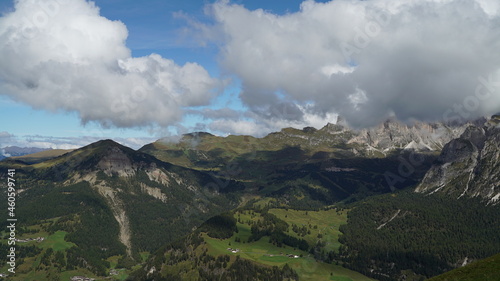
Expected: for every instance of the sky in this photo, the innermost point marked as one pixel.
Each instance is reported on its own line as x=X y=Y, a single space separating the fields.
x=76 y=71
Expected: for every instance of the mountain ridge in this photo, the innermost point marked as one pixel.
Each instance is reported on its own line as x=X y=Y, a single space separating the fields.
x=196 y=150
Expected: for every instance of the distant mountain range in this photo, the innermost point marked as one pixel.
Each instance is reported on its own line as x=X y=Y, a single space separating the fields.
x=114 y=208
x=11 y=151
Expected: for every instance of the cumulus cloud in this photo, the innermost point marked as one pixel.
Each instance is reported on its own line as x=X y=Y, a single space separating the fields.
x=365 y=60
x=63 y=56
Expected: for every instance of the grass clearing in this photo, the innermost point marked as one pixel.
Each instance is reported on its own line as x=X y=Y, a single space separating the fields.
x=56 y=242
x=265 y=253
x=324 y=223
x=144 y=256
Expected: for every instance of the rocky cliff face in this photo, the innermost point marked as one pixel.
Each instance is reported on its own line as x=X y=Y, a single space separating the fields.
x=469 y=165
x=379 y=141
x=419 y=136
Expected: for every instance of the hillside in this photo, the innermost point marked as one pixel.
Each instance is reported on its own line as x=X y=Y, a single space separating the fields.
x=410 y=234
x=113 y=203
x=389 y=237
x=484 y=270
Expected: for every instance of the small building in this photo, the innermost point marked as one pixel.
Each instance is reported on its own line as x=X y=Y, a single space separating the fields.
x=234 y=251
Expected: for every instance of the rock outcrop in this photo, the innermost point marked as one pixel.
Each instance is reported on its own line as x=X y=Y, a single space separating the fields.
x=469 y=165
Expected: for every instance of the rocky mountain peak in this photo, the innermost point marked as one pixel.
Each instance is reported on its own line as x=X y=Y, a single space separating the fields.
x=419 y=136
x=468 y=165
x=457 y=150
x=476 y=135
x=107 y=156
x=116 y=161
x=334 y=128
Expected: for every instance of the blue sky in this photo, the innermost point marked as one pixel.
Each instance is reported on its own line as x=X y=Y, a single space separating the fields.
x=76 y=75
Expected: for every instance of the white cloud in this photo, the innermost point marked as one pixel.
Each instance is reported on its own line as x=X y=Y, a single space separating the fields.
x=5 y=140
x=63 y=56
x=4 y=154
x=490 y=7
x=254 y=124
x=366 y=60
x=237 y=127
x=5 y=135
x=50 y=145
x=329 y=70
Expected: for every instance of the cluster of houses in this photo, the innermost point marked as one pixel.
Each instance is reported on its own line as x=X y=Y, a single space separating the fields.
x=38 y=239
x=81 y=278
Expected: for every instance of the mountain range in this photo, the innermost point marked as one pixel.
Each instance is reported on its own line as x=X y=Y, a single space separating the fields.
x=155 y=213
